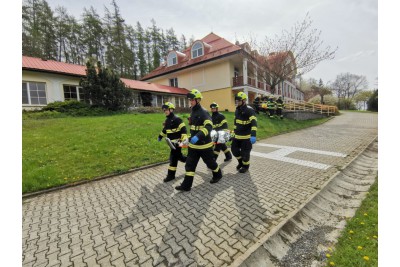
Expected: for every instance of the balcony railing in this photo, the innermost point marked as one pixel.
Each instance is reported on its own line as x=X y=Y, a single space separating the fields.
x=238 y=81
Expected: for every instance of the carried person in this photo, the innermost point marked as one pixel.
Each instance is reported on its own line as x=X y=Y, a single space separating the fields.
x=219 y=124
x=245 y=131
x=201 y=145
x=175 y=131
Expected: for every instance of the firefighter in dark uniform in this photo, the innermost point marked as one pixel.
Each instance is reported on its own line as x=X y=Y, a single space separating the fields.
x=219 y=124
x=279 y=107
x=245 y=131
x=257 y=104
x=201 y=145
x=175 y=130
x=271 y=105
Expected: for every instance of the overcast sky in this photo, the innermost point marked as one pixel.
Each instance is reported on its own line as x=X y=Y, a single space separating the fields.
x=350 y=25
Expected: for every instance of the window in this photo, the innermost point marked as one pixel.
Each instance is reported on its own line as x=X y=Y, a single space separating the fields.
x=73 y=92
x=197 y=50
x=173 y=82
x=172 y=59
x=34 y=93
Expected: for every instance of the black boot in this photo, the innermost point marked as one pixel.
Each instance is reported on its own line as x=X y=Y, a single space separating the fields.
x=228 y=156
x=186 y=185
x=240 y=165
x=244 y=168
x=216 y=176
x=170 y=176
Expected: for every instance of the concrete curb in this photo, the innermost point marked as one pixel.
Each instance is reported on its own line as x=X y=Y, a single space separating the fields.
x=240 y=260
x=57 y=188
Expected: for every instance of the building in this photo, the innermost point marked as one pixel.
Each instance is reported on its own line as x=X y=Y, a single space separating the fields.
x=46 y=81
x=219 y=69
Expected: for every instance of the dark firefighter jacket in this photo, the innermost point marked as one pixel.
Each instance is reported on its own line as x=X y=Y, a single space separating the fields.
x=201 y=126
x=219 y=121
x=174 y=128
x=279 y=104
x=245 y=122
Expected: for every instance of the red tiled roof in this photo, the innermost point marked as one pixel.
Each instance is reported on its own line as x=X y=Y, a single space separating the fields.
x=219 y=47
x=37 y=64
x=146 y=86
x=33 y=63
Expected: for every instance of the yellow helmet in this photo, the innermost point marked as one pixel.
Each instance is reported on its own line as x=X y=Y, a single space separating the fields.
x=214 y=105
x=194 y=94
x=168 y=105
x=240 y=96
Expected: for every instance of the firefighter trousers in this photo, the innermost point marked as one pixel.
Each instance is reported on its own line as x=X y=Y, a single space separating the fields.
x=174 y=156
x=193 y=157
x=241 y=149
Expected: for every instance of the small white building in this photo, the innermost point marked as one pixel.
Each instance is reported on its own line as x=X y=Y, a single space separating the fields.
x=46 y=81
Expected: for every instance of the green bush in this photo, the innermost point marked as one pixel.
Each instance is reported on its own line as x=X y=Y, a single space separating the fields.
x=65 y=106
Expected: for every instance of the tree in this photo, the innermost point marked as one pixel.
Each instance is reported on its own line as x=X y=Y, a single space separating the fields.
x=93 y=35
x=346 y=86
x=363 y=97
x=104 y=88
x=321 y=90
x=116 y=41
x=294 y=52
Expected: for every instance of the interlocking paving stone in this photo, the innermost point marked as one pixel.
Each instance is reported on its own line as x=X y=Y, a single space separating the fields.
x=137 y=220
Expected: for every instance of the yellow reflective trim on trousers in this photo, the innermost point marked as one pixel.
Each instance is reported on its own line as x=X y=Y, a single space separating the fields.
x=241 y=137
x=189 y=173
x=254 y=128
x=227 y=150
x=238 y=157
x=246 y=162
x=216 y=170
x=216 y=152
x=172 y=168
x=201 y=146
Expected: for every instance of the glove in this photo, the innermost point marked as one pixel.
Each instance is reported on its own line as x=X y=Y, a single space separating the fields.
x=253 y=140
x=159 y=139
x=194 y=140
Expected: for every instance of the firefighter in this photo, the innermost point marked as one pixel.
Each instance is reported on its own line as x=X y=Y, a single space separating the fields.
x=200 y=143
x=245 y=131
x=219 y=124
x=175 y=129
x=279 y=107
x=257 y=104
x=271 y=104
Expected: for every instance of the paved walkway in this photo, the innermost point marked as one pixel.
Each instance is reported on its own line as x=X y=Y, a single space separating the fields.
x=137 y=220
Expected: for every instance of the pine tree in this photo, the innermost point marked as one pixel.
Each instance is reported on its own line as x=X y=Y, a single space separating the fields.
x=141 y=50
x=104 y=88
x=93 y=35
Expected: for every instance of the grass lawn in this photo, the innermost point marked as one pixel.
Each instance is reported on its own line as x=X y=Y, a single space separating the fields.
x=358 y=244
x=64 y=150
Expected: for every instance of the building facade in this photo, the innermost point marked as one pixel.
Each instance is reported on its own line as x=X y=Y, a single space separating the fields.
x=219 y=69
